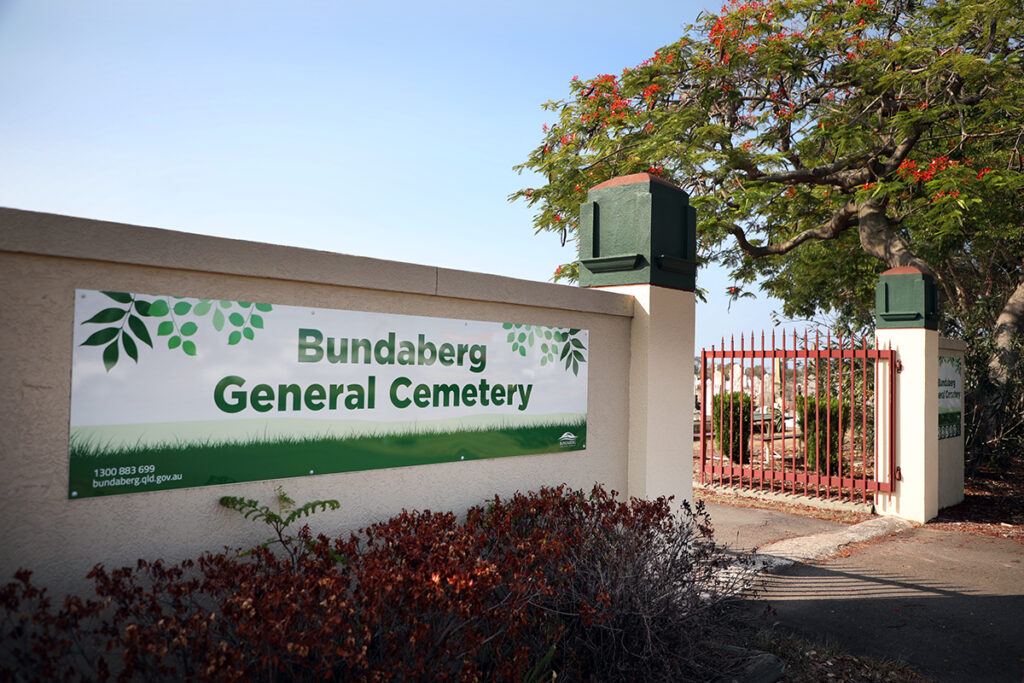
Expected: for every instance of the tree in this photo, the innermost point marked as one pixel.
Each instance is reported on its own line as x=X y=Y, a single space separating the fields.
x=822 y=143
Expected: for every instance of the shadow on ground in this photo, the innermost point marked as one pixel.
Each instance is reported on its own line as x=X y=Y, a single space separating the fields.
x=949 y=604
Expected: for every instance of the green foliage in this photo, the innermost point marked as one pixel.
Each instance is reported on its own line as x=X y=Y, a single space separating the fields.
x=127 y=326
x=731 y=418
x=285 y=515
x=573 y=350
x=821 y=144
x=824 y=422
x=993 y=411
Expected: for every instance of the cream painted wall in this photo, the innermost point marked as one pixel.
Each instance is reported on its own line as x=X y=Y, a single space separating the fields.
x=917 y=424
x=44 y=258
x=661 y=392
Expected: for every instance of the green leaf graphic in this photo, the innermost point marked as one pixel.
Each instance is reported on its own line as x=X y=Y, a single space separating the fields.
x=139 y=329
x=558 y=342
x=159 y=308
x=107 y=315
x=110 y=355
x=101 y=337
x=130 y=348
x=120 y=297
x=134 y=332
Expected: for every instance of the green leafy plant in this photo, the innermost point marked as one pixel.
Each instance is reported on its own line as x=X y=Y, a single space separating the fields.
x=126 y=326
x=555 y=343
x=824 y=422
x=731 y=415
x=286 y=514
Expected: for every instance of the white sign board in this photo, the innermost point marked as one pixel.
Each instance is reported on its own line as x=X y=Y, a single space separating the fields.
x=172 y=392
x=951 y=388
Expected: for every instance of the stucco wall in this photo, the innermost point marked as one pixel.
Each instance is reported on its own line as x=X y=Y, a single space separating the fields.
x=44 y=258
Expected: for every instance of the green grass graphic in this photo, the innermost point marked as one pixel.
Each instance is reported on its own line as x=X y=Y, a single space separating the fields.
x=209 y=462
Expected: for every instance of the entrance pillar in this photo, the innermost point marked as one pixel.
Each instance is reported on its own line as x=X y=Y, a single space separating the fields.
x=638 y=237
x=906 y=312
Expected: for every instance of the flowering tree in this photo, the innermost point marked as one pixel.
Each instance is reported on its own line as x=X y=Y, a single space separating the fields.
x=822 y=143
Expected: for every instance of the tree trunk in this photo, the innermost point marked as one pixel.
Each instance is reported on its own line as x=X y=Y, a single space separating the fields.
x=878 y=240
x=1008 y=327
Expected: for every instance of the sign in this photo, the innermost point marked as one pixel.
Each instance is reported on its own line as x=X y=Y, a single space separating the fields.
x=951 y=388
x=173 y=392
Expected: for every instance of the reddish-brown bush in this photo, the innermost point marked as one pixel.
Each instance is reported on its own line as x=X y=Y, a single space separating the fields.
x=558 y=580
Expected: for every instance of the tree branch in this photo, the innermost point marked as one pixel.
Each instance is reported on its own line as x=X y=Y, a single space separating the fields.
x=839 y=222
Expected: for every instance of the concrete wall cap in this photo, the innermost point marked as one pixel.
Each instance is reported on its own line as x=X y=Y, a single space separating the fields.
x=633 y=179
x=58 y=236
x=947 y=344
x=904 y=270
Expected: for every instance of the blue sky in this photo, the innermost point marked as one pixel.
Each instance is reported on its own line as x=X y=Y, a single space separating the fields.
x=378 y=129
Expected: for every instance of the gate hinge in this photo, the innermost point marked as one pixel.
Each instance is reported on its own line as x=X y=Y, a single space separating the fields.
x=899 y=474
x=899 y=366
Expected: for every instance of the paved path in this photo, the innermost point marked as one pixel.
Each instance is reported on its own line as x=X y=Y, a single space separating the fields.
x=750 y=528
x=949 y=604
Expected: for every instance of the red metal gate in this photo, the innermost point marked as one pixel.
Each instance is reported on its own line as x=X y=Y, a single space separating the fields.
x=811 y=420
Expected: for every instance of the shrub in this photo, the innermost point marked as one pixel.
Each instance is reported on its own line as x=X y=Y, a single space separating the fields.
x=635 y=592
x=731 y=416
x=554 y=581
x=819 y=421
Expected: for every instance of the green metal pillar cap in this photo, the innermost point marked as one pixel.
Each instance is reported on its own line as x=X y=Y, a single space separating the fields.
x=906 y=297
x=638 y=229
